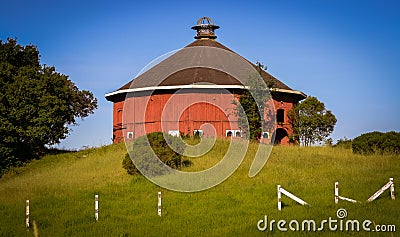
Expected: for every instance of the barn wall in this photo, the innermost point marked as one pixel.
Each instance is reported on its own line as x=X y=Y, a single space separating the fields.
x=286 y=106
x=186 y=111
x=117 y=121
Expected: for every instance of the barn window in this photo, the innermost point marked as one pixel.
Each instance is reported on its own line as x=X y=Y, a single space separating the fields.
x=238 y=133
x=265 y=135
x=198 y=133
x=280 y=116
x=234 y=133
x=174 y=133
x=130 y=135
x=119 y=116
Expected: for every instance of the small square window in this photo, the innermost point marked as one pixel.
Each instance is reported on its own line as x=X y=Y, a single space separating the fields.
x=265 y=135
x=174 y=133
x=233 y=133
x=238 y=133
x=130 y=135
x=198 y=133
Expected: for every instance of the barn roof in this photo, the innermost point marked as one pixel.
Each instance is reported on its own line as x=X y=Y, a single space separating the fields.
x=196 y=76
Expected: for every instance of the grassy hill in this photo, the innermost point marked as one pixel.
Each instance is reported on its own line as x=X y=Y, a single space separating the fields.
x=61 y=191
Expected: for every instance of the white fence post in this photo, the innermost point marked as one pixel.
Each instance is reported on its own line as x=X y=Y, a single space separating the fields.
x=337 y=196
x=159 y=204
x=279 y=198
x=96 y=207
x=389 y=184
x=27 y=214
x=336 y=192
x=392 y=188
x=288 y=194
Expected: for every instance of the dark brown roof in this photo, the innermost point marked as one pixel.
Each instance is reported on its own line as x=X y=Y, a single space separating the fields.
x=199 y=74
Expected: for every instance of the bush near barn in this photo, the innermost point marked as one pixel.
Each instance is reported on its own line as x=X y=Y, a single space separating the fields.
x=377 y=143
x=159 y=144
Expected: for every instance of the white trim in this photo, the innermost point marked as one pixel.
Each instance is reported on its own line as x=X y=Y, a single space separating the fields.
x=196 y=86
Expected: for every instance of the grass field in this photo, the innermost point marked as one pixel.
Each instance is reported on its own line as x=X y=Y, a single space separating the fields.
x=61 y=191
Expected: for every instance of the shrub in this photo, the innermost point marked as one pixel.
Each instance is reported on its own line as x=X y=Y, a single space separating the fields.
x=160 y=146
x=344 y=143
x=377 y=143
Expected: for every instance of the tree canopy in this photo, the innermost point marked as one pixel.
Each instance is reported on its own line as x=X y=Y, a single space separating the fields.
x=37 y=104
x=252 y=104
x=312 y=122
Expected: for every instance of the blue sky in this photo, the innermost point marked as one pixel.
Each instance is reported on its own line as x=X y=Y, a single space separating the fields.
x=346 y=53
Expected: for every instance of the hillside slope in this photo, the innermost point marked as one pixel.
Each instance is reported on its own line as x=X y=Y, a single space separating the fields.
x=61 y=191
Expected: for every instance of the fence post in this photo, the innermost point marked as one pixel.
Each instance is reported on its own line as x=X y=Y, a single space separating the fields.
x=336 y=192
x=392 y=189
x=96 y=207
x=159 y=204
x=27 y=215
x=279 y=198
x=389 y=184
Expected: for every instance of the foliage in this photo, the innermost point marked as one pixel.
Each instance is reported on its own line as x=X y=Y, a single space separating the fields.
x=128 y=165
x=377 y=143
x=251 y=105
x=37 y=104
x=312 y=122
x=344 y=143
x=142 y=153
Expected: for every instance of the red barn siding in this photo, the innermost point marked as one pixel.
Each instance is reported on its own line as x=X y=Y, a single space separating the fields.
x=186 y=112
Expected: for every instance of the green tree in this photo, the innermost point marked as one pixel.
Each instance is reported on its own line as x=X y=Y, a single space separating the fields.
x=251 y=104
x=144 y=148
x=377 y=143
x=37 y=104
x=312 y=123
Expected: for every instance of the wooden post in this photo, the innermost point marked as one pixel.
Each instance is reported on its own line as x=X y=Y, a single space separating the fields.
x=348 y=199
x=292 y=196
x=27 y=214
x=381 y=190
x=159 y=204
x=337 y=192
x=279 y=198
x=96 y=207
x=392 y=189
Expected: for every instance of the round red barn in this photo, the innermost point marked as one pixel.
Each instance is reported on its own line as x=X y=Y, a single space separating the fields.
x=166 y=102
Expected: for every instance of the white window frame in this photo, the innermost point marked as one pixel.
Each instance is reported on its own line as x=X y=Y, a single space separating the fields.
x=267 y=133
x=234 y=133
x=129 y=135
x=199 y=131
x=174 y=133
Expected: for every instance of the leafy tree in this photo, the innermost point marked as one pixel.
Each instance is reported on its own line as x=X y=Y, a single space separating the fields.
x=37 y=104
x=253 y=100
x=344 y=143
x=142 y=153
x=312 y=123
x=377 y=143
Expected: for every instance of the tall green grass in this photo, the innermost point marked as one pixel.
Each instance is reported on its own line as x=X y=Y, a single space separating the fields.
x=61 y=191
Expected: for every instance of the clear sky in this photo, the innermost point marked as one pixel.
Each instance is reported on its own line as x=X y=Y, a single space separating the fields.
x=346 y=53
